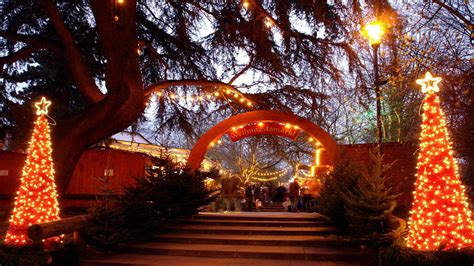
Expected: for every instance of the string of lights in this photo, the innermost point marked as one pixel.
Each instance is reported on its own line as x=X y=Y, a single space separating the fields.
x=278 y=173
x=223 y=95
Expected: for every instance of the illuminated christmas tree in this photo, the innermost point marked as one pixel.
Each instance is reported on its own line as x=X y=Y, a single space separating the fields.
x=440 y=217
x=36 y=199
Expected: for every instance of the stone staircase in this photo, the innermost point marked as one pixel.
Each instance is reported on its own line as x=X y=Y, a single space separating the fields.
x=245 y=238
x=270 y=207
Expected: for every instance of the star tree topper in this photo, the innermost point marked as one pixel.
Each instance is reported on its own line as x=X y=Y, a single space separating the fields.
x=429 y=83
x=42 y=106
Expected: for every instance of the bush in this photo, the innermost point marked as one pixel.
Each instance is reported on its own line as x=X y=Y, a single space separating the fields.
x=63 y=254
x=331 y=202
x=108 y=229
x=395 y=256
x=170 y=191
x=24 y=256
x=167 y=192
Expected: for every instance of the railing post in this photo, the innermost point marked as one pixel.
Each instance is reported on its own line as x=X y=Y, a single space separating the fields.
x=79 y=242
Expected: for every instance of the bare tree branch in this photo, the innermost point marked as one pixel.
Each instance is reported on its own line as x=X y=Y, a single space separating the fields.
x=455 y=13
x=33 y=40
x=155 y=54
x=79 y=70
x=23 y=53
x=242 y=71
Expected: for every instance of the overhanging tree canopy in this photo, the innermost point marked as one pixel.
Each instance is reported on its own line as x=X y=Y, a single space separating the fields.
x=84 y=56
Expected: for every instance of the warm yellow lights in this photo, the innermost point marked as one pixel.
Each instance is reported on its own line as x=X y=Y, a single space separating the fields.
x=245 y=4
x=36 y=199
x=42 y=106
x=317 y=156
x=429 y=83
x=374 y=32
x=269 y=176
x=240 y=98
x=440 y=217
x=120 y=2
x=268 y=23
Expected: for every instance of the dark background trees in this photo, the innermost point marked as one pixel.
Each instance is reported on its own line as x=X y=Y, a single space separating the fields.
x=102 y=61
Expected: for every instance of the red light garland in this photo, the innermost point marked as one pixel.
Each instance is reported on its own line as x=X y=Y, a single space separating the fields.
x=440 y=216
x=36 y=199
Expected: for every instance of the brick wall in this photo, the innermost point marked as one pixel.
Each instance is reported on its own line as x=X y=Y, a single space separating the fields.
x=401 y=156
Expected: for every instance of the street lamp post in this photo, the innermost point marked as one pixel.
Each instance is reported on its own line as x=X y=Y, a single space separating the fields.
x=374 y=32
x=377 y=93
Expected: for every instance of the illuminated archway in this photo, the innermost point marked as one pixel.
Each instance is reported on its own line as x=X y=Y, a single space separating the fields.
x=327 y=157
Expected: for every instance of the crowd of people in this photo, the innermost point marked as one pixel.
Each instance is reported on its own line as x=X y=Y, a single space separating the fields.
x=299 y=198
x=295 y=197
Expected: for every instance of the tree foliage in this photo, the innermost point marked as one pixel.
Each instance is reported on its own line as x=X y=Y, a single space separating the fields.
x=370 y=203
x=84 y=56
x=101 y=62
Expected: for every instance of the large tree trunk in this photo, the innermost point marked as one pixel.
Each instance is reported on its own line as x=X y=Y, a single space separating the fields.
x=125 y=98
x=70 y=139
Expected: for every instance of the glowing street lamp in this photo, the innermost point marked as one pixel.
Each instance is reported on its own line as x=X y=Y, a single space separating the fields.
x=374 y=32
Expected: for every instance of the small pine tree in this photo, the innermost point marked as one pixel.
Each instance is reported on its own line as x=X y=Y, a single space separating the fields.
x=331 y=202
x=370 y=203
x=173 y=191
x=108 y=229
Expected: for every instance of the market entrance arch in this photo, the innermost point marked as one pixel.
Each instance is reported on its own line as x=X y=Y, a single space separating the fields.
x=329 y=146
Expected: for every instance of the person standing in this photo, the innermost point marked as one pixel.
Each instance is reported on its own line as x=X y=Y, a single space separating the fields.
x=249 y=197
x=238 y=197
x=294 y=195
x=306 y=195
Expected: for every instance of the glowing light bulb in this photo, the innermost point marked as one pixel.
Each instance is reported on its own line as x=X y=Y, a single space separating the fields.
x=373 y=31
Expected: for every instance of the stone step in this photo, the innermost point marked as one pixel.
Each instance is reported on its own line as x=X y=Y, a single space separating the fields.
x=252 y=223
x=266 y=210
x=256 y=240
x=249 y=230
x=270 y=208
x=244 y=251
x=160 y=260
x=276 y=216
